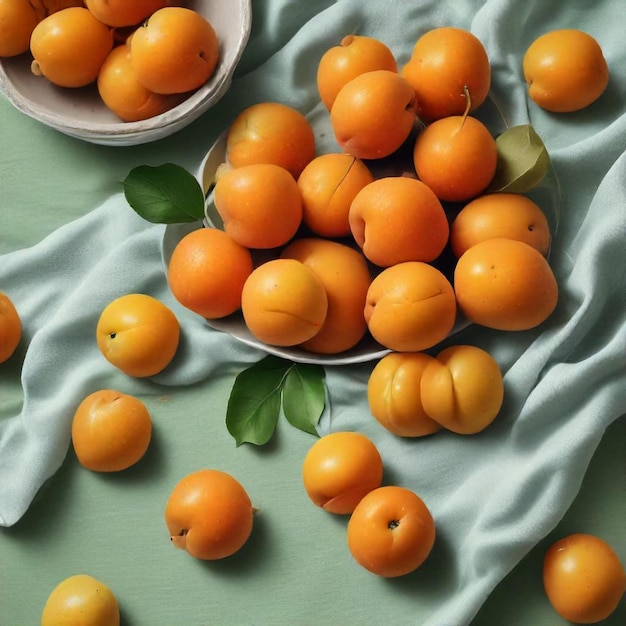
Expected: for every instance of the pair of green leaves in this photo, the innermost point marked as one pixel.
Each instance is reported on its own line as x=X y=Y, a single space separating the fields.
x=263 y=388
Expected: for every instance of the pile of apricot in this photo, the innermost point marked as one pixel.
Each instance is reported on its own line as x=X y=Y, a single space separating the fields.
x=349 y=251
x=318 y=250
x=145 y=56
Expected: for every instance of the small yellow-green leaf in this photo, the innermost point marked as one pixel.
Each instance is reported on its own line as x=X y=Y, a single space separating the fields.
x=523 y=160
x=164 y=194
x=304 y=396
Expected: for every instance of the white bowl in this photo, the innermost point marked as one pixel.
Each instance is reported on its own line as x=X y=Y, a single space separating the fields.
x=80 y=113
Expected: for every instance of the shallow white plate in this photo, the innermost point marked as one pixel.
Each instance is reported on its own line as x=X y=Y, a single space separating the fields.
x=547 y=195
x=366 y=350
x=80 y=113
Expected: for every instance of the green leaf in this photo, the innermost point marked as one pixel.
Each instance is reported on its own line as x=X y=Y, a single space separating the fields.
x=255 y=399
x=523 y=160
x=164 y=194
x=304 y=396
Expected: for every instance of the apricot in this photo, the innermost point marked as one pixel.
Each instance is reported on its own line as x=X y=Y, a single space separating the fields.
x=447 y=64
x=209 y=514
x=10 y=328
x=328 y=184
x=565 y=70
x=270 y=132
x=81 y=599
x=123 y=94
x=355 y=55
x=583 y=578
x=138 y=334
x=260 y=205
x=111 y=431
x=462 y=389
x=175 y=50
x=396 y=219
x=207 y=271
x=17 y=22
x=391 y=531
x=43 y=8
x=283 y=302
x=373 y=114
x=505 y=284
x=394 y=396
x=123 y=13
x=18 y=19
x=410 y=307
x=508 y=215
x=346 y=277
x=340 y=469
x=456 y=157
x=70 y=46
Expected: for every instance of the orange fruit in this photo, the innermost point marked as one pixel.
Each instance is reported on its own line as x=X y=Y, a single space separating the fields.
x=355 y=54
x=346 y=277
x=462 y=389
x=18 y=19
x=207 y=271
x=43 y=8
x=583 y=578
x=270 y=132
x=373 y=114
x=10 y=327
x=17 y=22
x=70 y=46
x=209 y=514
x=444 y=63
x=111 y=431
x=260 y=204
x=138 y=334
x=508 y=215
x=410 y=307
x=283 y=302
x=505 y=284
x=124 y=94
x=394 y=397
x=391 y=532
x=175 y=50
x=396 y=219
x=565 y=70
x=123 y=13
x=81 y=599
x=456 y=157
x=339 y=469
x=328 y=184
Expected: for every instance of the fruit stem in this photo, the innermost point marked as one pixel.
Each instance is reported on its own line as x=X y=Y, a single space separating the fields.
x=468 y=103
x=347 y=40
x=468 y=106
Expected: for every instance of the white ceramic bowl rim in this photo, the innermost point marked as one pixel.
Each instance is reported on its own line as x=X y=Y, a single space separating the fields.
x=189 y=110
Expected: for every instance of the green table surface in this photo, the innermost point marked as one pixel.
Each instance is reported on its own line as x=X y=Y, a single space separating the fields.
x=296 y=569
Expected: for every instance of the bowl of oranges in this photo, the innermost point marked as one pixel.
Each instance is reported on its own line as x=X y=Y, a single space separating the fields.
x=117 y=72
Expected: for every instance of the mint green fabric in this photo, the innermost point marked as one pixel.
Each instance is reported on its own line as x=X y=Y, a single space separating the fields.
x=69 y=244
